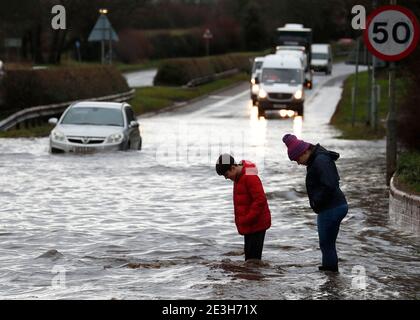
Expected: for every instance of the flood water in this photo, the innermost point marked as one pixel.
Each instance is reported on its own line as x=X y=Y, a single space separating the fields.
x=158 y=223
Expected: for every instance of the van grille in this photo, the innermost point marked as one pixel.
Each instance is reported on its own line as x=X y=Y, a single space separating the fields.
x=280 y=96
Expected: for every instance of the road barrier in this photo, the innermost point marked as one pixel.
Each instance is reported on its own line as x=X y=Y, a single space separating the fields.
x=39 y=112
x=198 y=81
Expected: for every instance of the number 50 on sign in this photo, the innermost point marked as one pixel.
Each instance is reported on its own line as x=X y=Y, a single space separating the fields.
x=392 y=33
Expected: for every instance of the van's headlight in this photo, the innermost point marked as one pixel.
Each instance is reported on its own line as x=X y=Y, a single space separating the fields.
x=298 y=95
x=255 y=88
x=262 y=94
x=115 y=138
x=58 y=136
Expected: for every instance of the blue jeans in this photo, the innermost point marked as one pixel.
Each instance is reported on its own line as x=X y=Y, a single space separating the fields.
x=328 y=222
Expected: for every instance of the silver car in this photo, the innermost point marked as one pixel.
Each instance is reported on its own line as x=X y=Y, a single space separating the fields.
x=90 y=126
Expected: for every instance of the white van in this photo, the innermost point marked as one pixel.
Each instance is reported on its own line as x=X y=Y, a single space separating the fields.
x=321 y=59
x=281 y=85
x=256 y=74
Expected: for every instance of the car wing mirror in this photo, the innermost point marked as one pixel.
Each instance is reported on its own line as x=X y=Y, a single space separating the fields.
x=134 y=124
x=53 y=121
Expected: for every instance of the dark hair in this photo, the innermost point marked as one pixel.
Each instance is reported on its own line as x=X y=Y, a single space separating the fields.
x=224 y=163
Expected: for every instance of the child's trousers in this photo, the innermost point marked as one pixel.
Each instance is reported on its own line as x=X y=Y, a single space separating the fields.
x=254 y=243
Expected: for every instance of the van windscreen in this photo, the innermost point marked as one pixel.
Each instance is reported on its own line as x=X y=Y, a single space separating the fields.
x=274 y=75
x=320 y=56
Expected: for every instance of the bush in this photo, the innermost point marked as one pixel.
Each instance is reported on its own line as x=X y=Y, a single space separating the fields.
x=181 y=71
x=27 y=88
x=133 y=46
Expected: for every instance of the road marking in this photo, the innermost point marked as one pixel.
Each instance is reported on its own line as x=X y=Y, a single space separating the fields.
x=212 y=107
x=217 y=97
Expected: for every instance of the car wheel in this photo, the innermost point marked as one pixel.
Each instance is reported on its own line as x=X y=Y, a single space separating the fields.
x=140 y=144
x=261 y=112
x=56 y=151
x=299 y=109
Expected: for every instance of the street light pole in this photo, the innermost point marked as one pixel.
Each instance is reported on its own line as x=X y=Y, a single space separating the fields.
x=103 y=12
x=110 y=45
x=356 y=84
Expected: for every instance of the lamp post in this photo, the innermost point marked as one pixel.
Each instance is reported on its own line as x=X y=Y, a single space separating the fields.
x=104 y=12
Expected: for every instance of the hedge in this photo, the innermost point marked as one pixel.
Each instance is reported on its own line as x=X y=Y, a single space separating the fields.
x=27 y=88
x=181 y=71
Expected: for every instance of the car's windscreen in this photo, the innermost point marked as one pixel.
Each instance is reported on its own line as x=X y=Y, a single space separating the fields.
x=320 y=56
x=290 y=76
x=94 y=116
x=257 y=66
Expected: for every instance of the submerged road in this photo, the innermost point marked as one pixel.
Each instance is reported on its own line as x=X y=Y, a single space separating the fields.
x=158 y=223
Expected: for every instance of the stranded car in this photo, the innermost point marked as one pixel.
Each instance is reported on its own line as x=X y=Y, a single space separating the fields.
x=91 y=126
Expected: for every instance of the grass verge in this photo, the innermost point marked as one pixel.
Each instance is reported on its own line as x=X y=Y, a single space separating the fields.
x=150 y=99
x=342 y=118
x=36 y=132
x=408 y=171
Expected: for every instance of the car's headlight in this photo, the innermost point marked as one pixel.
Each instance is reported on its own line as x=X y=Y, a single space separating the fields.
x=58 y=136
x=298 y=95
x=115 y=138
x=262 y=94
x=255 y=88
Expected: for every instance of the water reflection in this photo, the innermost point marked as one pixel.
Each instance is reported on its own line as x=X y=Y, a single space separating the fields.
x=287 y=113
x=258 y=132
x=248 y=270
x=297 y=126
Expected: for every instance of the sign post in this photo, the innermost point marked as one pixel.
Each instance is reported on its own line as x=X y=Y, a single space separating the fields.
x=392 y=33
x=103 y=31
x=207 y=36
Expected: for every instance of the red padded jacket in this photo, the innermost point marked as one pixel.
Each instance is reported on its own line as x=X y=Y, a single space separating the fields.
x=251 y=207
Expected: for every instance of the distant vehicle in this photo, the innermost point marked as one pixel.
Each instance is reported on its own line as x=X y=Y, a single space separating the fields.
x=294 y=49
x=89 y=126
x=282 y=84
x=321 y=58
x=256 y=74
x=1 y=69
x=295 y=35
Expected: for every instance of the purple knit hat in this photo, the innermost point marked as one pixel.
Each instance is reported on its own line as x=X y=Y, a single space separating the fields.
x=295 y=147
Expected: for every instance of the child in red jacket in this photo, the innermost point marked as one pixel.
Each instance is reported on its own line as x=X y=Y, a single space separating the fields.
x=252 y=215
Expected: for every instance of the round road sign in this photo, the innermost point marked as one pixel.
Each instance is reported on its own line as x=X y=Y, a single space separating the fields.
x=392 y=32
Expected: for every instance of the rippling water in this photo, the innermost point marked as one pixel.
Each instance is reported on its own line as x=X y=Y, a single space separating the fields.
x=158 y=224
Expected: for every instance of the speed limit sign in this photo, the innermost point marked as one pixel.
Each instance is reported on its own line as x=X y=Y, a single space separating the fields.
x=392 y=32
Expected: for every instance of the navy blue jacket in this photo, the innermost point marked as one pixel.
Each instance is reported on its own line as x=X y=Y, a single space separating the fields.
x=322 y=180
